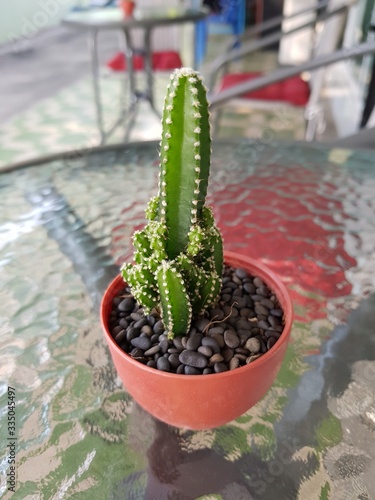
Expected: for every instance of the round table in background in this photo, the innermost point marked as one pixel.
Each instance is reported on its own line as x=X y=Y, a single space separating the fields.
x=145 y=19
x=308 y=212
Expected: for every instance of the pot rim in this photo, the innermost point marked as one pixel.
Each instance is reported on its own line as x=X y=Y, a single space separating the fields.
x=265 y=358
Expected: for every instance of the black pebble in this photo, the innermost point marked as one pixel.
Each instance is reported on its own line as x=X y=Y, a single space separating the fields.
x=220 y=367
x=163 y=364
x=190 y=370
x=193 y=358
x=211 y=343
x=241 y=273
x=126 y=305
x=194 y=342
x=143 y=343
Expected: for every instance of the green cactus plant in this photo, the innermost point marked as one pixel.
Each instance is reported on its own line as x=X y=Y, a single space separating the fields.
x=178 y=256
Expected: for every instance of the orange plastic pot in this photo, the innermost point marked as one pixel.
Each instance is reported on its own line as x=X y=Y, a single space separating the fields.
x=202 y=401
x=127 y=7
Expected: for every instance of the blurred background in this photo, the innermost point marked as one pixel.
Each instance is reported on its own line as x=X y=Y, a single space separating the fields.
x=47 y=93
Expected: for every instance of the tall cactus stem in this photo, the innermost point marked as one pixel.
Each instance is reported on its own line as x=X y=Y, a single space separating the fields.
x=185 y=157
x=179 y=254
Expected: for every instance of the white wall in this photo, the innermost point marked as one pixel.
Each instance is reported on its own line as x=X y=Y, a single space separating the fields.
x=22 y=19
x=297 y=48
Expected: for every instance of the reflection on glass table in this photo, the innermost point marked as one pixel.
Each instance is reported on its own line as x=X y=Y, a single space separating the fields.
x=308 y=212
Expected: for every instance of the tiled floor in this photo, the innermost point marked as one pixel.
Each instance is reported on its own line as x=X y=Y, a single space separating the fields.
x=65 y=119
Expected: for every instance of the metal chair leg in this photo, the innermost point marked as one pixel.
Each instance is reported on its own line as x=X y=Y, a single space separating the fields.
x=217 y=116
x=147 y=57
x=93 y=43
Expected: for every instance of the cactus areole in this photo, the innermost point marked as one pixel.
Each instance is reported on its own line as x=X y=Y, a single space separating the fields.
x=178 y=258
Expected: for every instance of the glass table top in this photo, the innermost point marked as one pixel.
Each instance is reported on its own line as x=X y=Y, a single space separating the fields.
x=307 y=212
x=143 y=17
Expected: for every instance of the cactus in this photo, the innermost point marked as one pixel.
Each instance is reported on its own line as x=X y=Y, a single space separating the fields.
x=178 y=256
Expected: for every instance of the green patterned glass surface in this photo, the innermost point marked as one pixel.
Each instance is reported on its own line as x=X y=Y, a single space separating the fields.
x=308 y=212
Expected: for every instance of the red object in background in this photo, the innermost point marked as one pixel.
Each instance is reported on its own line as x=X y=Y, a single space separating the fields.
x=293 y=90
x=127 y=7
x=161 y=61
x=289 y=222
x=215 y=399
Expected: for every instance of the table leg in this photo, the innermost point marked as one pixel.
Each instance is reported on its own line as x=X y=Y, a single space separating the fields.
x=133 y=97
x=93 y=43
x=147 y=56
x=370 y=99
x=129 y=54
x=148 y=65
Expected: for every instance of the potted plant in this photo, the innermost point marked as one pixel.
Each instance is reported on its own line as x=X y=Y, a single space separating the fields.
x=195 y=343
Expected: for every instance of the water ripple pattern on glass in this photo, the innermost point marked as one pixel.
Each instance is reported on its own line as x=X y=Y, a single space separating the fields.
x=299 y=210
